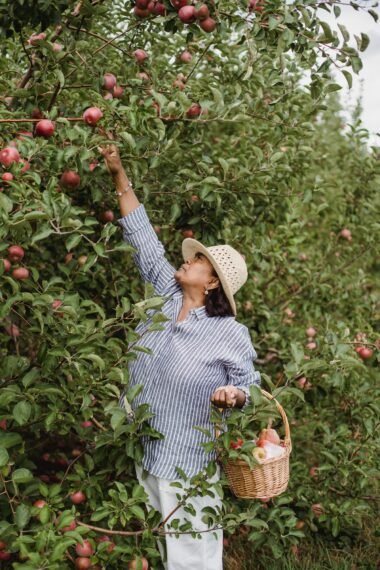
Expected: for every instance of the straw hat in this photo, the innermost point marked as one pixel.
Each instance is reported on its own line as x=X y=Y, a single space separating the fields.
x=229 y=265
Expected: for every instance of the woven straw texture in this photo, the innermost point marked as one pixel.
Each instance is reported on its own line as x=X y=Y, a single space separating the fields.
x=268 y=479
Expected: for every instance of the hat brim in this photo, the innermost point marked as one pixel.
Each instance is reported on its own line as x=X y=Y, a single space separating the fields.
x=190 y=247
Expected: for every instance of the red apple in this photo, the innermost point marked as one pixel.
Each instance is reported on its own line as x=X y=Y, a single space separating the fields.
x=7 y=177
x=302 y=382
x=138 y=563
x=185 y=57
x=3 y=425
x=40 y=503
x=317 y=509
x=271 y=435
x=15 y=253
x=143 y=75
x=108 y=97
x=26 y=166
x=311 y=332
x=107 y=216
x=311 y=345
x=106 y=538
x=57 y=47
x=346 y=234
x=226 y=542
x=9 y=155
x=256 y=5
x=187 y=14
x=69 y=527
x=45 y=478
x=5 y=555
x=78 y=497
x=140 y=55
x=365 y=353
x=188 y=233
x=56 y=304
x=87 y=424
x=179 y=84
x=93 y=165
x=84 y=549
x=24 y=135
x=142 y=4
x=203 y=12
x=7 y=264
x=208 y=25
x=12 y=330
x=194 y=111
x=83 y=563
x=177 y=4
x=300 y=524
x=92 y=115
x=70 y=179
x=140 y=13
x=45 y=128
x=37 y=114
x=157 y=8
x=3 y=545
x=236 y=444
x=20 y=273
x=109 y=81
x=313 y=472
x=36 y=38
x=117 y=92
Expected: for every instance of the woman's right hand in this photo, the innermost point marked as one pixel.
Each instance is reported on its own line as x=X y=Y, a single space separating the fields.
x=111 y=155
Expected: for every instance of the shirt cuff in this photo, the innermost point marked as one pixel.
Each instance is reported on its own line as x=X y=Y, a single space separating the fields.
x=134 y=221
x=247 y=396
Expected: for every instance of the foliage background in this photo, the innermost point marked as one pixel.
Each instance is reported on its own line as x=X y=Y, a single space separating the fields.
x=268 y=167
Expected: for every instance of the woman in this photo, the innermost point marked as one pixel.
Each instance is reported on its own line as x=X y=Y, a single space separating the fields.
x=203 y=355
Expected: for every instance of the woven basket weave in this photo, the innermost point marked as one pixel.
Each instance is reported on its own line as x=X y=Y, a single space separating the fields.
x=268 y=479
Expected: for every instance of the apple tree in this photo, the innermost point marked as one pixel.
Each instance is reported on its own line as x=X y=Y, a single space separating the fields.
x=228 y=122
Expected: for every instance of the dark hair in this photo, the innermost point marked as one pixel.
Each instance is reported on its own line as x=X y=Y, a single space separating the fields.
x=217 y=304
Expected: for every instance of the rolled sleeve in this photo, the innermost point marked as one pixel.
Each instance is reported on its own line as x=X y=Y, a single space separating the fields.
x=150 y=253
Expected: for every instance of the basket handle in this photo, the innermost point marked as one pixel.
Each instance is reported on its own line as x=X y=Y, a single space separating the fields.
x=287 y=439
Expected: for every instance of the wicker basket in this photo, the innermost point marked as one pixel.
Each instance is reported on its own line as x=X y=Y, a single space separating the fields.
x=268 y=479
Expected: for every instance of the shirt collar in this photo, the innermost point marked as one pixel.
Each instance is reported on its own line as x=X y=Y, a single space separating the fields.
x=200 y=312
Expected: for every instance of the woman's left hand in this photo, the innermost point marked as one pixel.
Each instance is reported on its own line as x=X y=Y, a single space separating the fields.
x=228 y=397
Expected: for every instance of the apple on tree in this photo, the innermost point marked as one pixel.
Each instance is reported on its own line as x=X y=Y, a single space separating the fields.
x=9 y=155
x=45 y=128
x=92 y=115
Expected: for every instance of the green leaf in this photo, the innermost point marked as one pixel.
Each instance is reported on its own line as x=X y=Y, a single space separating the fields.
x=9 y=439
x=137 y=511
x=22 y=475
x=348 y=77
x=42 y=234
x=21 y=412
x=364 y=41
x=4 y=457
x=6 y=204
x=22 y=516
x=72 y=241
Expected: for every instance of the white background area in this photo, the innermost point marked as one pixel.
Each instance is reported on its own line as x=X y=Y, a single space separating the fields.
x=367 y=82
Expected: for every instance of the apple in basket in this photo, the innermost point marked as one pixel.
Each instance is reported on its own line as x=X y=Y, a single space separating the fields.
x=269 y=434
x=259 y=453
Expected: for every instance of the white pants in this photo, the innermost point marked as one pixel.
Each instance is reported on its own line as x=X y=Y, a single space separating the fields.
x=185 y=552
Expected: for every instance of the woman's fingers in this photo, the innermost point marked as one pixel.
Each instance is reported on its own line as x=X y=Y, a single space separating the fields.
x=224 y=397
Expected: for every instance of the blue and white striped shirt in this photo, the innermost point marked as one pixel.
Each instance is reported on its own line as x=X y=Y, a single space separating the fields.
x=190 y=360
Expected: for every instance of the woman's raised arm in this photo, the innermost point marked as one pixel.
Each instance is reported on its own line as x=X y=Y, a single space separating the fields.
x=127 y=198
x=137 y=230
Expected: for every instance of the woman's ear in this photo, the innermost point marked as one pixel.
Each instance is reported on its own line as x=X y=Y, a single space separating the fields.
x=214 y=284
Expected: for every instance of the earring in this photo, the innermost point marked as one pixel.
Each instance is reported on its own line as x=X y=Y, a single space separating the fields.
x=206 y=292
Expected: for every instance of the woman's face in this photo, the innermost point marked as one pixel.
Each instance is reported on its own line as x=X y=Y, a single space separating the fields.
x=196 y=272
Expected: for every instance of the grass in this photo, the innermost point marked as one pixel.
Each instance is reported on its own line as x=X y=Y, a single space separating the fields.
x=316 y=555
